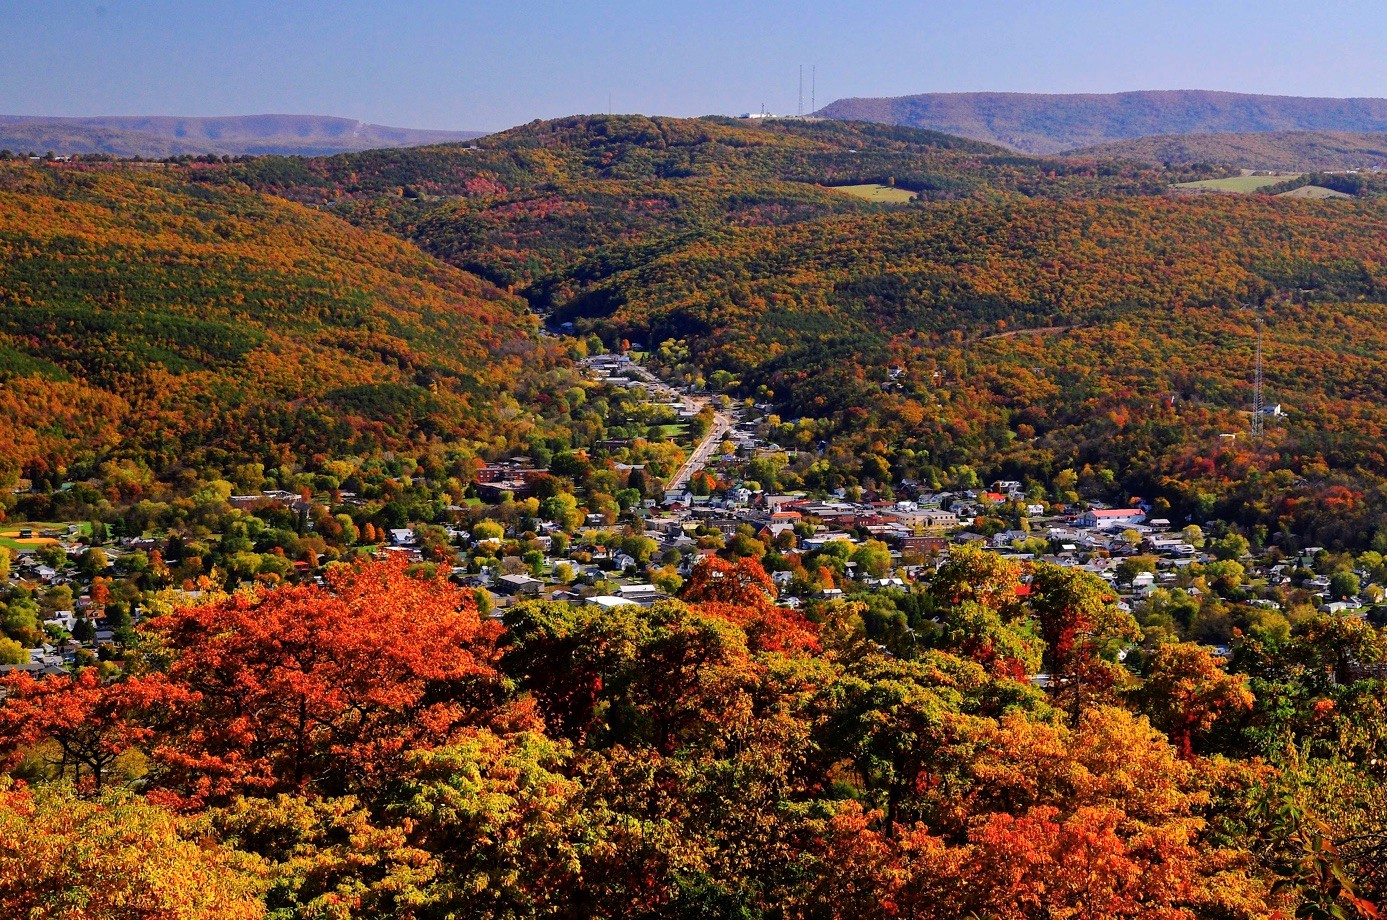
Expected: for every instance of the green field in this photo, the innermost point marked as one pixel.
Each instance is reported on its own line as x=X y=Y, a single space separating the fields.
x=1238 y=184
x=671 y=431
x=883 y=194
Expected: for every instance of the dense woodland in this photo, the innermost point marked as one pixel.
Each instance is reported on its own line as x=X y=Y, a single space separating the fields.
x=172 y=324
x=375 y=748
x=309 y=731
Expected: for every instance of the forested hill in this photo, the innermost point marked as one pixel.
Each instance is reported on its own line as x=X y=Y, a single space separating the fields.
x=1051 y=123
x=1032 y=336
x=548 y=207
x=1283 y=151
x=147 y=316
x=346 y=737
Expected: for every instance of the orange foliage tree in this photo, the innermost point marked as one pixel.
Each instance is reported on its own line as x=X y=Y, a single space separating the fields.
x=1187 y=692
x=744 y=594
x=324 y=688
x=90 y=720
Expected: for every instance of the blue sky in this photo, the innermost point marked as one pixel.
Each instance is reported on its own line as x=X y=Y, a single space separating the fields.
x=473 y=65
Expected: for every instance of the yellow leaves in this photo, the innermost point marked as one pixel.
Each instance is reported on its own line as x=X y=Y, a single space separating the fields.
x=64 y=858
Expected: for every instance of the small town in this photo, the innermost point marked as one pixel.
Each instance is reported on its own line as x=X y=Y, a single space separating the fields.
x=81 y=589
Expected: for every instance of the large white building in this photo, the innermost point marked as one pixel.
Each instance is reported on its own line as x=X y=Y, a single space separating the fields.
x=1112 y=517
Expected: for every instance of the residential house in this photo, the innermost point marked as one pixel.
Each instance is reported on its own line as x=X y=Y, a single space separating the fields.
x=520 y=585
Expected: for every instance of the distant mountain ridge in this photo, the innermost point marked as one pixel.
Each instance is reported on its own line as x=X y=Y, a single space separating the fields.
x=1277 y=150
x=172 y=135
x=1053 y=123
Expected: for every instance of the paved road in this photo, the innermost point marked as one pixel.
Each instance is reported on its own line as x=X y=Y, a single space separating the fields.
x=722 y=424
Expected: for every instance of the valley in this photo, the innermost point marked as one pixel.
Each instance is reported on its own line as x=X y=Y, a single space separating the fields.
x=639 y=516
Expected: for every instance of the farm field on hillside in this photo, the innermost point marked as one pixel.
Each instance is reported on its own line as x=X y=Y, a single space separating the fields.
x=883 y=194
x=1236 y=184
x=1317 y=192
x=10 y=534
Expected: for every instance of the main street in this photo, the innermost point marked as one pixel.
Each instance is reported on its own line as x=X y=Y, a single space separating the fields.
x=703 y=452
x=722 y=424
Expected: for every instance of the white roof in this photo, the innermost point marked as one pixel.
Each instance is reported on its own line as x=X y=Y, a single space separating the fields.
x=609 y=601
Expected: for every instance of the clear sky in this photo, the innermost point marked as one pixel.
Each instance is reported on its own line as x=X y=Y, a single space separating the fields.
x=463 y=64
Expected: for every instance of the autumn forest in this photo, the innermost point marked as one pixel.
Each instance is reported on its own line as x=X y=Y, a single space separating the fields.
x=274 y=429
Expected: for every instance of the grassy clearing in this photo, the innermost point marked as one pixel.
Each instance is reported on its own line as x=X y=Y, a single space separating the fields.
x=670 y=431
x=1313 y=191
x=1237 y=184
x=16 y=544
x=882 y=194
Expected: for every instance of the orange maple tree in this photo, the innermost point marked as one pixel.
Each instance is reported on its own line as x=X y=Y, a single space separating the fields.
x=742 y=593
x=325 y=688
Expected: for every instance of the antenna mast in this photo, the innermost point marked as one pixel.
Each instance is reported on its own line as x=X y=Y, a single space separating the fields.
x=1257 y=403
x=800 y=112
x=814 y=89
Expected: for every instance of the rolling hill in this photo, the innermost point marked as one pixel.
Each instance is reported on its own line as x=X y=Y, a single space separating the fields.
x=1052 y=123
x=1044 y=313
x=1033 y=336
x=146 y=316
x=1283 y=151
x=549 y=207
x=164 y=136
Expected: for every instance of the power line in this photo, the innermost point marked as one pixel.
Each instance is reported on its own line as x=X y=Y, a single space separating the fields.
x=1257 y=402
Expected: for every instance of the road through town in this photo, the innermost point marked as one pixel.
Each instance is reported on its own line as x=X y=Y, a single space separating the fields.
x=704 y=450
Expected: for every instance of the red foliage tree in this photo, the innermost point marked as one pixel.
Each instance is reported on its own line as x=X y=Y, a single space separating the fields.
x=1075 y=615
x=92 y=721
x=742 y=593
x=326 y=689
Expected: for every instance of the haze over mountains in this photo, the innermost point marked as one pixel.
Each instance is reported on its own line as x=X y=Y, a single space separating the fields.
x=169 y=135
x=1053 y=123
x=1183 y=126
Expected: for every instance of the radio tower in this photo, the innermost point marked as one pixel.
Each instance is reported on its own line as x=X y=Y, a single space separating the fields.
x=814 y=89
x=1257 y=403
x=800 y=112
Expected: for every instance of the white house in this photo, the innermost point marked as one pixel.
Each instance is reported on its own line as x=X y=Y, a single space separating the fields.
x=1111 y=517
